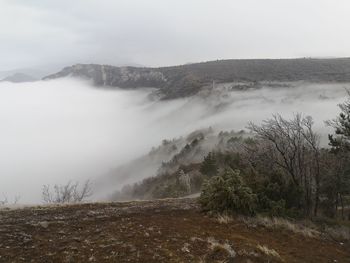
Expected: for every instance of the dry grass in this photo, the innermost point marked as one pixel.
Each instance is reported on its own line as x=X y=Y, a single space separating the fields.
x=340 y=233
x=280 y=223
x=215 y=245
x=269 y=252
x=249 y=253
x=224 y=219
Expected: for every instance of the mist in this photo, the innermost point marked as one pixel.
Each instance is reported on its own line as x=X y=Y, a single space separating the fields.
x=66 y=129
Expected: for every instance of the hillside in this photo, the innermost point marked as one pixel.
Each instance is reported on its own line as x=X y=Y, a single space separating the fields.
x=19 y=77
x=187 y=80
x=171 y=230
x=166 y=168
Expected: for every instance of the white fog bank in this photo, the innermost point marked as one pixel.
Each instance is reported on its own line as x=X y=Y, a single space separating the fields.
x=60 y=130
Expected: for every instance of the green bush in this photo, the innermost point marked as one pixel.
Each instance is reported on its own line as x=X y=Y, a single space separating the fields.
x=278 y=208
x=209 y=167
x=228 y=193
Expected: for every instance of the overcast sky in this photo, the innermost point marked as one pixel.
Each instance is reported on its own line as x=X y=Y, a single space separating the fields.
x=37 y=33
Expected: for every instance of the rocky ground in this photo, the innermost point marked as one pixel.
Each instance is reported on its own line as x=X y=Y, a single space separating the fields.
x=172 y=230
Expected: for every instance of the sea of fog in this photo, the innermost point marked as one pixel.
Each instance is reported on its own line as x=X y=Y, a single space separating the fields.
x=55 y=131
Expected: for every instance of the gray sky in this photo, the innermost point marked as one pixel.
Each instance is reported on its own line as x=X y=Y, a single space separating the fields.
x=36 y=33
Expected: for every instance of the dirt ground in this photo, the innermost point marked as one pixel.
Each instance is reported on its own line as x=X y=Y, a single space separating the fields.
x=172 y=230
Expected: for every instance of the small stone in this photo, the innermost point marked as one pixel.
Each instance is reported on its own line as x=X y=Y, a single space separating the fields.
x=132 y=248
x=44 y=224
x=185 y=248
x=77 y=239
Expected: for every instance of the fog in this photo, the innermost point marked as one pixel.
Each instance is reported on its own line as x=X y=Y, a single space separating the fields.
x=60 y=130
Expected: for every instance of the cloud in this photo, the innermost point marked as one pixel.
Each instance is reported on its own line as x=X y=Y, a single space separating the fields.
x=157 y=32
x=64 y=129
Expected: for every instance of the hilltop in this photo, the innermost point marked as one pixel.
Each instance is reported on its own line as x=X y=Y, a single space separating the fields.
x=170 y=230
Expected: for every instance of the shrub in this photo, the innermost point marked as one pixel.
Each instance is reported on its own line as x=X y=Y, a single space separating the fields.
x=68 y=193
x=228 y=193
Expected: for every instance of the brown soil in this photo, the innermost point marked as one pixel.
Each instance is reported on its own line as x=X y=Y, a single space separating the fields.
x=172 y=230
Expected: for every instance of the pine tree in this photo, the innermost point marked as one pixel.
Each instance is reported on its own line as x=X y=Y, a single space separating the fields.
x=338 y=184
x=209 y=166
x=228 y=193
x=340 y=141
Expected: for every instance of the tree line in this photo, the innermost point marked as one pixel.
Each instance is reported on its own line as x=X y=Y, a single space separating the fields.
x=282 y=170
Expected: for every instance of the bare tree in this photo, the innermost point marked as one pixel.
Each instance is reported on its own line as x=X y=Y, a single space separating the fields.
x=68 y=193
x=5 y=200
x=293 y=146
x=313 y=141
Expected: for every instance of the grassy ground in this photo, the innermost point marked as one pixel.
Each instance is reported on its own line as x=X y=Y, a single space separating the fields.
x=172 y=230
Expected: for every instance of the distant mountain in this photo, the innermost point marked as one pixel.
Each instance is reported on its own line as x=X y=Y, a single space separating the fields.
x=35 y=72
x=189 y=79
x=19 y=77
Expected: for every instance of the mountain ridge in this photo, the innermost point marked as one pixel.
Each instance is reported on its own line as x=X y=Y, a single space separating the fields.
x=187 y=80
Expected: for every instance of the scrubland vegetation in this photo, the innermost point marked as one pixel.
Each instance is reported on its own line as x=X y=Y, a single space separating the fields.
x=283 y=171
x=278 y=168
